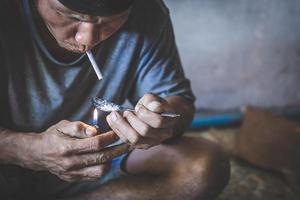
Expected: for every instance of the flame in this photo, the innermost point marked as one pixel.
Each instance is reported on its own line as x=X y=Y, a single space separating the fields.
x=95 y=116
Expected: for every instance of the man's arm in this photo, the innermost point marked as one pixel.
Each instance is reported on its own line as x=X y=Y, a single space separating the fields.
x=70 y=150
x=186 y=109
x=14 y=147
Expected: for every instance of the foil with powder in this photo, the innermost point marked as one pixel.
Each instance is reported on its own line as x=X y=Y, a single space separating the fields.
x=106 y=106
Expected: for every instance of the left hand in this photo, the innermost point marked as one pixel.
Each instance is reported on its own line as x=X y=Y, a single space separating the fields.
x=144 y=128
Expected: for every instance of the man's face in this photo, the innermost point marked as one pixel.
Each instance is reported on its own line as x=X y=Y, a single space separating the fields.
x=74 y=31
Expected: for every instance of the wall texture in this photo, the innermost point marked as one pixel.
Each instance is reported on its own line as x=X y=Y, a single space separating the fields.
x=240 y=52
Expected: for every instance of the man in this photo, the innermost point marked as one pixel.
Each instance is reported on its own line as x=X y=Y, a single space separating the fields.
x=48 y=148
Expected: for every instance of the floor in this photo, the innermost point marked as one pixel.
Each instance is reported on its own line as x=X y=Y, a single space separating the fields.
x=247 y=182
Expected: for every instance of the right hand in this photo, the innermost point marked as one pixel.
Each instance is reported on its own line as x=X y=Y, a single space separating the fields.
x=73 y=152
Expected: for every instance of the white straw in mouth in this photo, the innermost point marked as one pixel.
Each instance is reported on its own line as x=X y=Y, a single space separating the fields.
x=94 y=64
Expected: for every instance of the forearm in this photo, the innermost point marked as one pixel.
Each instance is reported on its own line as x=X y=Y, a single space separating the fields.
x=15 y=147
x=186 y=109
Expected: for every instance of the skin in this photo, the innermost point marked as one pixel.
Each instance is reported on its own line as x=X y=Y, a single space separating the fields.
x=68 y=33
x=186 y=168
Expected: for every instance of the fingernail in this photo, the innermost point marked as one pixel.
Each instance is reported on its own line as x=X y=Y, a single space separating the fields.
x=153 y=106
x=137 y=108
x=113 y=116
x=89 y=131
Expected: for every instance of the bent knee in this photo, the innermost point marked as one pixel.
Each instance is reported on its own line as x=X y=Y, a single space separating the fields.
x=216 y=173
x=205 y=167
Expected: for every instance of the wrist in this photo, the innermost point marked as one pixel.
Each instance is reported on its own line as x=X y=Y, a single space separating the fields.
x=17 y=148
x=28 y=150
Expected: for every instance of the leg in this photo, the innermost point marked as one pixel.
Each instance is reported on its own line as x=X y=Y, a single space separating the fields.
x=188 y=169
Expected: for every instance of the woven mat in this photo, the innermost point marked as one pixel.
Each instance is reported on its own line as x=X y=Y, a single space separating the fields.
x=247 y=182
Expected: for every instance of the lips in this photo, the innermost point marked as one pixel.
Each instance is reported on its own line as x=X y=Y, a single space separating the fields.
x=73 y=47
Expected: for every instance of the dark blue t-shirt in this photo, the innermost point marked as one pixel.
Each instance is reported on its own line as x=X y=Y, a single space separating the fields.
x=38 y=91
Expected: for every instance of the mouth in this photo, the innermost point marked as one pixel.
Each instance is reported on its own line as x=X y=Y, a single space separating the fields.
x=74 y=48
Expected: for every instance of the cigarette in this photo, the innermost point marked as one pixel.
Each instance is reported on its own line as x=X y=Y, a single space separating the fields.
x=94 y=64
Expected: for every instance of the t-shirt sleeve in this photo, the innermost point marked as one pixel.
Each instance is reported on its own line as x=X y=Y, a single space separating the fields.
x=3 y=96
x=159 y=68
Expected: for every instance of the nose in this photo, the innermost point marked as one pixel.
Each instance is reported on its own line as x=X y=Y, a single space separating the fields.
x=87 y=34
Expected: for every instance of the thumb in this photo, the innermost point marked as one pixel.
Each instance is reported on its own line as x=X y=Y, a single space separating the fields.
x=77 y=130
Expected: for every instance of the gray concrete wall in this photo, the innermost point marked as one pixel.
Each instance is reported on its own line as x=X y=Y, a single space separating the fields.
x=240 y=52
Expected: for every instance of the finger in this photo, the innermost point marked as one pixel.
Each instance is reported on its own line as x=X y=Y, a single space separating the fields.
x=77 y=129
x=105 y=156
x=152 y=102
x=154 y=119
x=121 y=135
x=90 y=173
x=122 y=128
x=149 y=97
x=93 y=144
x=141 y=127
x=151 y=136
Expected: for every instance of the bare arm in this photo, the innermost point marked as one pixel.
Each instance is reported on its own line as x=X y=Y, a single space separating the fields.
x=70 y=150
x=186 y=109
x=14 y=147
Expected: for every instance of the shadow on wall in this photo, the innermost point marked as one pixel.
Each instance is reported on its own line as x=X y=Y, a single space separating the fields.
x=239 y=52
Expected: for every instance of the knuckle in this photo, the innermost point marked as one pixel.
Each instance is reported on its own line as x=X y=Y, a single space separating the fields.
x=85 y=174
x=145 y=131
x=99 y=144
x=66 y=149
x=78 y=126
x=142 y=112
x=63 y=122
x=99 y=172
x=66 y=178
x=102 y=158
x=89 y=147
x=96 y=144
x=88 y=162
x=135 y=139
x=67 y=165
x=63 y=150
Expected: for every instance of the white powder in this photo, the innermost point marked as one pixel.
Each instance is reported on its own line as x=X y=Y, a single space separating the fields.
x=105 y=106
